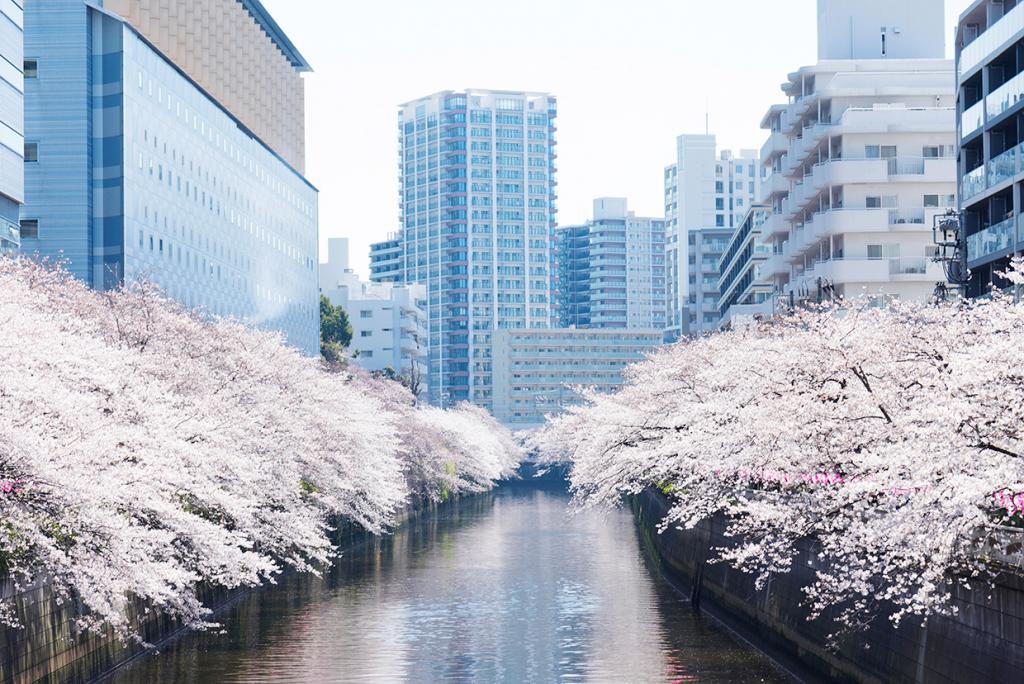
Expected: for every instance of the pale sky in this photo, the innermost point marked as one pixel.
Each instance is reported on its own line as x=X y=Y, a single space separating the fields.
x=630 y=75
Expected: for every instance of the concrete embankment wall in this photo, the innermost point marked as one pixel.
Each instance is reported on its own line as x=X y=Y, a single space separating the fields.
x=984 y=642
x=47 y=649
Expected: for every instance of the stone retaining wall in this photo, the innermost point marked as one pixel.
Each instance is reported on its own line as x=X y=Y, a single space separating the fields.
x=983 y=642
x=46 y=650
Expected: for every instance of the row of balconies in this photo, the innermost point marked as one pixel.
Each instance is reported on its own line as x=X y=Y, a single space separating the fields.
x=845 y=171
x=839 y=221
x=845 y=270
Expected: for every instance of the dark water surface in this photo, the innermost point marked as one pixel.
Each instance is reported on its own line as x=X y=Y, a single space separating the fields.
x=501 y=587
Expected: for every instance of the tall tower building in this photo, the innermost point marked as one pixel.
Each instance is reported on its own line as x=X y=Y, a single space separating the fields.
x=611 y=270
x=166 y=143
x=478 y=215
x=12 y=122
x=707 y=194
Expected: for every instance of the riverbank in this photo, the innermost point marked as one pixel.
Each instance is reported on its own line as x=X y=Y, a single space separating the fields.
x=983 y=642
x=505 y=586
x=48 y=651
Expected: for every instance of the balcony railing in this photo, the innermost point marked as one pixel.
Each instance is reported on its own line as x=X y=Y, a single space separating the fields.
x=974 y=183
x=998 y=33
x=1005 y=96
x=903 y=216
x=972 y=119
x=1005 y=165
x=992 y=239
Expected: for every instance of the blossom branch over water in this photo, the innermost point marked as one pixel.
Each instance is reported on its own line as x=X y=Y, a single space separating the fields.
x=885 y=435
x=145 y=450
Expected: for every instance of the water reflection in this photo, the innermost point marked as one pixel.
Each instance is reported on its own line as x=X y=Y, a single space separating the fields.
x=503 y=587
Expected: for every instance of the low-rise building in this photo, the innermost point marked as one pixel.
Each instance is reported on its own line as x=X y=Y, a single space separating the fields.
x=535 y=371
x=389 y=323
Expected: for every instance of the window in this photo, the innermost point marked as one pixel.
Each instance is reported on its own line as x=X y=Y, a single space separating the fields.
x=719 y=221
x=880 y=151
x=365 y=313
x=931 y=200
x=31 y=152
x=366 y=333
x=29 y=228
x=31 y=68
x=874 y=251
x=368 y=354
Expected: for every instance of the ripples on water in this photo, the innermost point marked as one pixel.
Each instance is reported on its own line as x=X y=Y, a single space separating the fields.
x=501 y=587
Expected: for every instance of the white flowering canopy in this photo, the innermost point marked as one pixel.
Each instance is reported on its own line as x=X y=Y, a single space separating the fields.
x=891 y=437
x=144 y=450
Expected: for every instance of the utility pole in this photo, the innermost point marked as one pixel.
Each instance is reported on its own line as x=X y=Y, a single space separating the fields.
x=948 y=236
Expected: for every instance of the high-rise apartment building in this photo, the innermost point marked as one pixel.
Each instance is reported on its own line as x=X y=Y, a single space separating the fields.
x=860 y=160
x=164 y=144
x=707 y=194
x=389 y=322
x=477 y=191
x=386 y=260
x=990 y=132
x=12 y=121
x=611 y=270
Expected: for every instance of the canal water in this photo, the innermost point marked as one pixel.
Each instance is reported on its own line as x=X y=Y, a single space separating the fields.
x=504 y=587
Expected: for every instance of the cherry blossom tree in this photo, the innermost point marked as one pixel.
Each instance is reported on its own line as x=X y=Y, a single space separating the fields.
x=890 y=437
x=145 y=449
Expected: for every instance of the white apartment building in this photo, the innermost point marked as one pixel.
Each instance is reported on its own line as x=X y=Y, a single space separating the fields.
x=707 y=194
x=389 y=321
x=536 y=371
x=860 y=159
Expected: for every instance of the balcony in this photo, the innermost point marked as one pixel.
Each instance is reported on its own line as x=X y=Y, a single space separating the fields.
x=992 y=240
x=846 y=170
x=1005 y=166
x=776 y=184
x=864 y=270
x=1005 y=96
x=777 y=143
x=774 y=265
x=995 y=36
x=972 y=119
x=974 y=183
x=774 y=225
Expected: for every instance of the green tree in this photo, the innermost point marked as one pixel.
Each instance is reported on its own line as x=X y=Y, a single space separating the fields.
x=335 y=330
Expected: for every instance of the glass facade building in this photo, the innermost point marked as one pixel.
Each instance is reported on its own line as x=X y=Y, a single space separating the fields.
x=477 y=188
x=12 y=121
x=990 y=137
x=140 y=173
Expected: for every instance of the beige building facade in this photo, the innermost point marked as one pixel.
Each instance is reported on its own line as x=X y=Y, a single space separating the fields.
x=236 y=52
